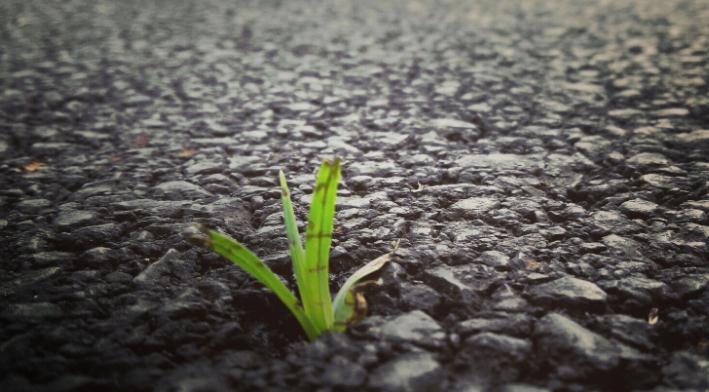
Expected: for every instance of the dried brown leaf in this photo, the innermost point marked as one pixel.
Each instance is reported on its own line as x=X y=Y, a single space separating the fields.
x=187 y=152
x=533 y=265
x=419 y=188
x=653 y=317
x=33 y=166
x=141 y=141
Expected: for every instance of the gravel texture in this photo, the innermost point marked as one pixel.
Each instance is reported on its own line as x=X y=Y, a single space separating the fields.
x=545 y=165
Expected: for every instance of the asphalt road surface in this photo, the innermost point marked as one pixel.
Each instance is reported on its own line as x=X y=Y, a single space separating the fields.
x=544 y=165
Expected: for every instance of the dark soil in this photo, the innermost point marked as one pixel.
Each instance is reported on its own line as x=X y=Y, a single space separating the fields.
x=544 y=164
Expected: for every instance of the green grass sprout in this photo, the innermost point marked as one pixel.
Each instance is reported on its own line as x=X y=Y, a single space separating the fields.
x=315 y=310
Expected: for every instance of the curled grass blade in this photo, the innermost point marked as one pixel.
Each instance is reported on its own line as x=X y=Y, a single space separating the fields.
x=318 y=237
x=254 y=266
x=350 y=305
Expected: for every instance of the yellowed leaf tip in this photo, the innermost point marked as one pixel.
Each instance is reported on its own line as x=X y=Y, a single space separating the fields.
x=284 y=186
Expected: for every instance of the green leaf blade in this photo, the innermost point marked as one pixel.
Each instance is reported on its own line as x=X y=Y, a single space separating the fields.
x=318 y=237
x=295 y=247
x=238 y=254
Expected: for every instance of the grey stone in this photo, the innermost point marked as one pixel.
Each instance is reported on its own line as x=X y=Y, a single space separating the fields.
x=96 y=234
x=635 y=332
x=672 y=112
x=91 y=135
x=622 y=245
x=494 y=356
x=29 y=278
x=360 y=182
x=468 y=384
x=99 y=255
x=643 y=291
x=218 y=179
x=559 y=163
x=369 y=168
x=32 y=311
x=625 y=114
x=183 y=188
x=205 y=167
x=495 y=259
x=454 y=125
x=449 y=87
x=699 y=204
x=687 y=371
x=94 y=190
x=456 y=130
x=214 y=141
x=701 y=230
x=659 y=181
x=611 y=221
x=517 y=387
x=187 y=382
x=499 y=161
x=52 y=147
x=69 y=218
x=171 y=264
x=638 y=207
x=480 y=107
x=344 y=373
x=568 y=291
x=648 y=159
x=578 y=351
x=414 y=326
x=553 y=233
x=508 y=324
x=188 y=303
x=574 y=211
x=592 y=247
x=118 y=277
x=301 y=106
x=593 y=146
x=510 y=302
x=51 y=258
x=464 y=280
x=415 y=372
x=419 y=296
x=355 y=201
x=33 y=205
x=698 y=138
x=475 y=205
x=690 y=285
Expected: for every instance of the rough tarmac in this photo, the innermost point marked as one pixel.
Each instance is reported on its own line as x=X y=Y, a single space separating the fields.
x=544 y=164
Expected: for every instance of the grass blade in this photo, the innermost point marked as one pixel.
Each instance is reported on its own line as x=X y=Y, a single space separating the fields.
x=349 y=305
x=295 y=246
x=254 y=266
x=318 y=237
